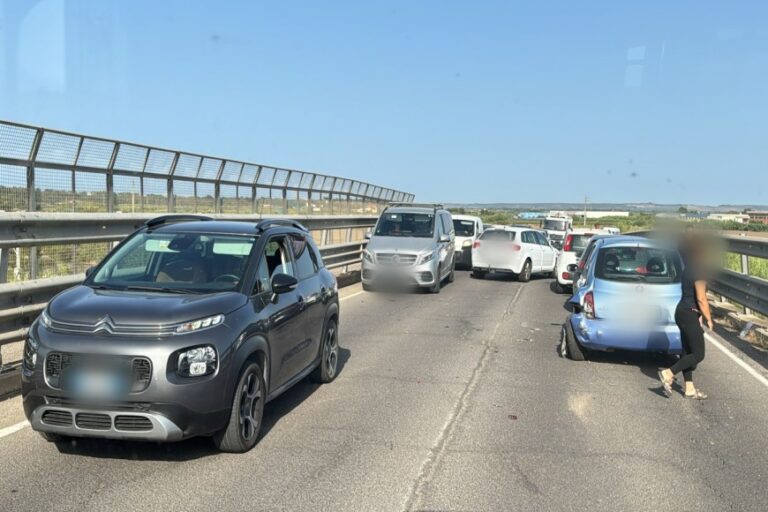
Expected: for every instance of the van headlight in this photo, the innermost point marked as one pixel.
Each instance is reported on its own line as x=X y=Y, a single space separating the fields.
x=196 y=325
x=30 y=352
x=196 y=361
x=428 y=257
x=368 y=256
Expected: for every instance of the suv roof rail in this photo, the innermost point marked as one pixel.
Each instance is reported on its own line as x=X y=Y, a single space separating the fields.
x=168 y=219
x=435 y=206
x=265 y=224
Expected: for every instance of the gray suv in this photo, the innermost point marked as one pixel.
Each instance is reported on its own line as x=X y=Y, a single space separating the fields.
x=411 y=245
x=187 y=328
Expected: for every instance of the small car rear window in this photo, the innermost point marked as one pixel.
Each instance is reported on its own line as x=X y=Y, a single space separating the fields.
x=498 y=235
x=638 y=264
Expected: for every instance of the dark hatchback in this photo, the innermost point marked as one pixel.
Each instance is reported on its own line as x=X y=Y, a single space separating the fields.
x=187 y=328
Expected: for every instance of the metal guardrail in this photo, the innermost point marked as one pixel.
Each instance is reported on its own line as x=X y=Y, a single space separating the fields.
x=21 y=302
x=51 y=170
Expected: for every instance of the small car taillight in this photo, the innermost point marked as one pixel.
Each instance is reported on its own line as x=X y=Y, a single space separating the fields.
x=566 y=275
x=589 y=305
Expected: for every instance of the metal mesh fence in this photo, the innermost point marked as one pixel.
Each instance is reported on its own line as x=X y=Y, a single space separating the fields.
x=55 y=171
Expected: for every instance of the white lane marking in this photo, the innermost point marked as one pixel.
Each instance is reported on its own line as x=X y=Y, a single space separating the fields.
x=13 y=428
x=760 y=378
x=353 y=295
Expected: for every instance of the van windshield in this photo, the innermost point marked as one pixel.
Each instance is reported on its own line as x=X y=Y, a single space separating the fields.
x=638 y=264
x=419 y=225
x=176 y=263
x=464 y=227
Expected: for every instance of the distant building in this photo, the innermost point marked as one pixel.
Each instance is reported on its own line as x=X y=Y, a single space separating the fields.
x=597 y=214
x=741 y=218
x=758 y=217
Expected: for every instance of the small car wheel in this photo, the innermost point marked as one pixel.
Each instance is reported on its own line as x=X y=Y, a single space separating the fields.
x=329 y=355
x=242 y=431
x=525 y=275
x=570 y=346
x=558 y=287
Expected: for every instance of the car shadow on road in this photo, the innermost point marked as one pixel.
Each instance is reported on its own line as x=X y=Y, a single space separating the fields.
x=197 y=447
x=647 y=362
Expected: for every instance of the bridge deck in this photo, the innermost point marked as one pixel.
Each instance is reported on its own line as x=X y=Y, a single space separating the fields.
x=455 y=401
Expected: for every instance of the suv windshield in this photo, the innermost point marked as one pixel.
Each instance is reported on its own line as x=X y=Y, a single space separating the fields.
x=176 y=263
x=640 y=264
x=555 y=225
x=420 y=225
x=464 y=227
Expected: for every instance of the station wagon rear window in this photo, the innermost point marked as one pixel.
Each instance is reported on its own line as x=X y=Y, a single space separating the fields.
x=498 y=235
x=638 y=264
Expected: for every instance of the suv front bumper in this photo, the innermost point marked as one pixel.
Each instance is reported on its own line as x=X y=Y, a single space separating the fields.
x=423 y=275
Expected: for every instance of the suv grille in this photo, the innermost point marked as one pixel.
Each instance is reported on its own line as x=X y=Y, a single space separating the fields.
x=57 y=364
x=388 y=258
x=132 y=423
x=59 y=418
x=93 y=421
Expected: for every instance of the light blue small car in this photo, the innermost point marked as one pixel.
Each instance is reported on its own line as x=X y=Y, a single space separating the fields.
x=625 y=299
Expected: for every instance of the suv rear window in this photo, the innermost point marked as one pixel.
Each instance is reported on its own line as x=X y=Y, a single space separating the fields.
x=638 y=264
x=498 y=234
x=464 y=227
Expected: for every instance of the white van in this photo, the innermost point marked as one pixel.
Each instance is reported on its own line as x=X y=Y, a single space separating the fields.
x=468 y=228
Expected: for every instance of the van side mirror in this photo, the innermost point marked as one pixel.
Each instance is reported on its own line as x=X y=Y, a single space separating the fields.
x=444 y=238
x=283 y=283
x=368 y=235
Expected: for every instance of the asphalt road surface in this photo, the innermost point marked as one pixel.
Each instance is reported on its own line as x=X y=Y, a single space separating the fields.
x=456 y=401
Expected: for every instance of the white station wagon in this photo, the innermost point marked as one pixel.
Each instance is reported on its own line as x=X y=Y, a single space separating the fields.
x=514 y=250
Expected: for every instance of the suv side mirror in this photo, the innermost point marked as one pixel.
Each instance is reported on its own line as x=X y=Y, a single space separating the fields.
x=445 y=238
x=367 y=235
x=89 y=271
x=283 y=283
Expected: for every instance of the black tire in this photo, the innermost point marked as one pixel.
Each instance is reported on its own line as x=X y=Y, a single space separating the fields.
x=328 y=368
x=242 y=431
x=435 y=288
x=478 y=274
x=525 y=275
x=569 y=346
x=452 y=275
x=367 y=287
x=558 y=287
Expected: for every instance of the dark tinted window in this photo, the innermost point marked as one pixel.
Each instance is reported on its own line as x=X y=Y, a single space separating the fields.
x=305 y=264
x=464 y=227
x=541 y=238
x=638 y=264
x=498 y=235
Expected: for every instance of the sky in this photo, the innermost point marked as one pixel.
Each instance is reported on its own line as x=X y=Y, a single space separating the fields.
x=460 y=102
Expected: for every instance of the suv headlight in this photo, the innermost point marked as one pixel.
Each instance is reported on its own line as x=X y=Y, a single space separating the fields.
x=196 y=362
x=428 y=257
x=45 y=319
x=368 y=256
x=30 y=352
x=196 y=325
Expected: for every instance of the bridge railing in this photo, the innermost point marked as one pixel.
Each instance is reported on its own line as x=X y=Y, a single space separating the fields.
x=55 y=171
x=742 y=286
x=341 y=240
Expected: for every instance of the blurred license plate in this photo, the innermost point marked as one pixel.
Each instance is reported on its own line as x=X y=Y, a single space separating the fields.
x=97 y=383
x=642 y=314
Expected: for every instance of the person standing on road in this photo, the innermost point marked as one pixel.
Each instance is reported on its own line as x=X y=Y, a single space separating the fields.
x=691 y=314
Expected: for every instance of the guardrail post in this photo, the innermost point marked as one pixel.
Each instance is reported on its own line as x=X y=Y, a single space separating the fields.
x=4 y=265
x=745 y=271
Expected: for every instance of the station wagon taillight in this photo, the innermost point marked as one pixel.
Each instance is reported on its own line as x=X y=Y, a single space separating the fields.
x=589 y=305
x=515 y=247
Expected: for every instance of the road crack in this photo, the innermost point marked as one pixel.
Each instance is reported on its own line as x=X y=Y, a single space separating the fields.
x=437 y=451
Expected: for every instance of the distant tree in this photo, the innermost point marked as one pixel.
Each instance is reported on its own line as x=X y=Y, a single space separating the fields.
x=682 y=209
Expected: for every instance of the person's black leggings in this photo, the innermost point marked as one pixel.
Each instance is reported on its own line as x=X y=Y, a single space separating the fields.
x=692 y=337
